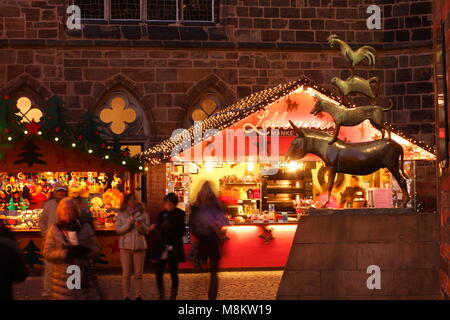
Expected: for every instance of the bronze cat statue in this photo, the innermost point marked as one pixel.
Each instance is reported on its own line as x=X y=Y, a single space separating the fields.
x=344 y=116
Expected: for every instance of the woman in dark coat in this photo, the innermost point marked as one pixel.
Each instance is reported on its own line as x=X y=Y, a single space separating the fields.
x=206 y=223
x=170 y=228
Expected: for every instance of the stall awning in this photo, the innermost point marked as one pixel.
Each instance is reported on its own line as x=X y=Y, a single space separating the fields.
x=256 y=128
x=37 y=155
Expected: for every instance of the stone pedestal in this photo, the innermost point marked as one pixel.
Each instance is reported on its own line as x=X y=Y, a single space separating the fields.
x=333 y=248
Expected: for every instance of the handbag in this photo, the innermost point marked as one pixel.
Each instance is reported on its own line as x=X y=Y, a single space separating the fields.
x=194 y=256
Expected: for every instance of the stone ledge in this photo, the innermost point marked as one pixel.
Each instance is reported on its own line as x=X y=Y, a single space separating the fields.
x=331 y=253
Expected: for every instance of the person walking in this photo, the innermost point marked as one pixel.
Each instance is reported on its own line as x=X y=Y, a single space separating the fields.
x=170 y=227
x=12 y=264
x=68 y=243
x=206 y=223
x=132 y=224
x=48 y=218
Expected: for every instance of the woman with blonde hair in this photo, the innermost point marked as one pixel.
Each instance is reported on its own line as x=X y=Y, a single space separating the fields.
x=206 y=223
x=132 y=225
x=70 y=242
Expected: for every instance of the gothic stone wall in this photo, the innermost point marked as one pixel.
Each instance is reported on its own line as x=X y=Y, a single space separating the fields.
x=256 y=44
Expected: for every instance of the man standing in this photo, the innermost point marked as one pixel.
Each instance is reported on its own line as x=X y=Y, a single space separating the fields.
x=350 y=192
x=46 y=220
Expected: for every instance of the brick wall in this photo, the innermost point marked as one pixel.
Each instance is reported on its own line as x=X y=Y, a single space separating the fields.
x=442 y=14
x=256 y=44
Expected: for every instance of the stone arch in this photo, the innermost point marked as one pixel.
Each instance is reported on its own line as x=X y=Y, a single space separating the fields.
x=210 y=82
x=32 y=96
x=140 y=130
x=103 y=88
x=26 y=84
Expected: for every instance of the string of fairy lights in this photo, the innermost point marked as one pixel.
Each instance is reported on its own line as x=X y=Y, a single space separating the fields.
x=245 y=107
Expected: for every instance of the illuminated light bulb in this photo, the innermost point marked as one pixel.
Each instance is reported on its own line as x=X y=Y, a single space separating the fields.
x=56 y=139
x=74 y=145
x=26 y=132
x=250 y=166
x=146 y=168
x=9 y=138
x=106 y=157
x=140 y=168
x=124 y=163
x=90 y=150
x=293 y=166
x=39 y=132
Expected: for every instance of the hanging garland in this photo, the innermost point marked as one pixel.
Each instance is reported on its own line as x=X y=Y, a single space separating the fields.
x=88 y=137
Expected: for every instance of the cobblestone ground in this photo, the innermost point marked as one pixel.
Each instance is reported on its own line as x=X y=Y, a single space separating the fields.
x=247 y=285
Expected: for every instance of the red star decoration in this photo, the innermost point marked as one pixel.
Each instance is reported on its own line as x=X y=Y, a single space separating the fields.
x=291 y=105
x=114 y=247
x=266 y=235
x=376 y=137
x=33 y=127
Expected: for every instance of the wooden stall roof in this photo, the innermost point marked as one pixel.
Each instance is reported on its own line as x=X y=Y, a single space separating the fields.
x=37 y=155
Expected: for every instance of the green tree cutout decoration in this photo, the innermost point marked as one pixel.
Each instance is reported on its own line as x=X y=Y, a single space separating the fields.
x=32 y=255
x=11 y=205
x=90 y=128
x=55 y=115
x=30 y=155
x=9 y=120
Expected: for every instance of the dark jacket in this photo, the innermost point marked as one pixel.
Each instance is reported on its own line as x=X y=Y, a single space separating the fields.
x=12 y=267
x=205 y=225
x=170 y=228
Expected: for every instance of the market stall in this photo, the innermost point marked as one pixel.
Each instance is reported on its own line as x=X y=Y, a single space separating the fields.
x=36 y=156
x=241 y=149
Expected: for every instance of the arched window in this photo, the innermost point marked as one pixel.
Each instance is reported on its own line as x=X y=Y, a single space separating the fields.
x=204 y=106
x=27 y=110
x=118 y=114
x=122 y=116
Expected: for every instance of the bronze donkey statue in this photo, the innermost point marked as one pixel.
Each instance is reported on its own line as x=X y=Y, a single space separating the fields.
x=350 y=158
x=344 y=116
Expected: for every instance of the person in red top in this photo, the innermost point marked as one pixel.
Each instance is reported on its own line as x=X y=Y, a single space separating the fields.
x=38 y=198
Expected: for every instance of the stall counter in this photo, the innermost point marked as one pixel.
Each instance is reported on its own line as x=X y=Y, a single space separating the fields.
x=253 y=246
x=248 y=246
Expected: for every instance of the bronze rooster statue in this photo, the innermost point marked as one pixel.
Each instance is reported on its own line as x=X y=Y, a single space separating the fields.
x=353 y=57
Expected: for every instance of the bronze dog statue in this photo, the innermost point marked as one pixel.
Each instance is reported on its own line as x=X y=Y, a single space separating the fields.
x=357 y=84
x=344 y=116
x=350 y=158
